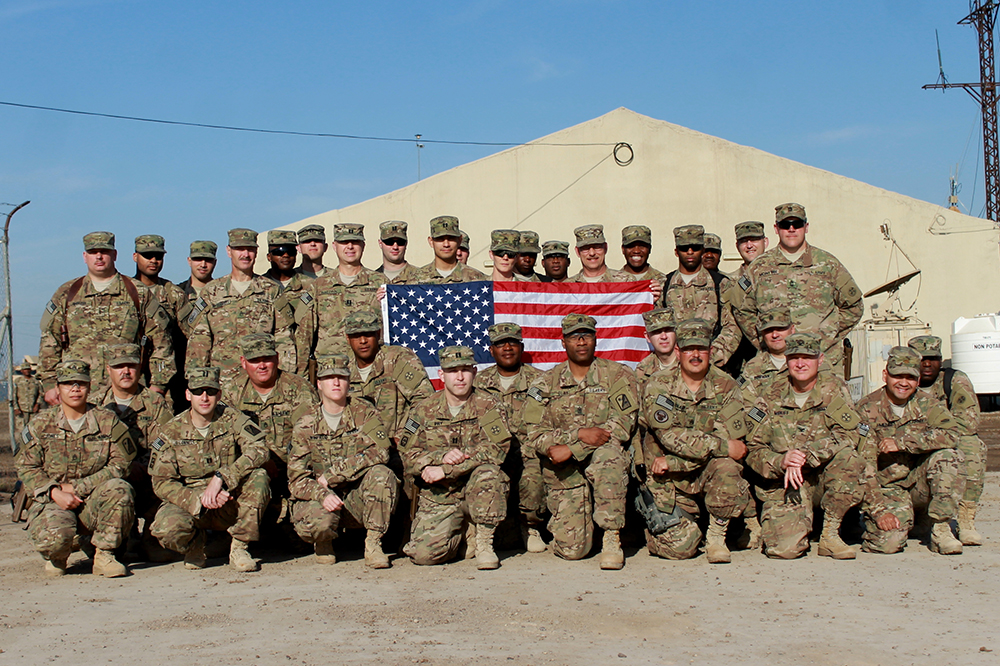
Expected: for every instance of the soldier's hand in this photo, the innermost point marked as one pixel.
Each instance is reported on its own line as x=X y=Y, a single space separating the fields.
x=323 y=482
x=888 y=445
x=793 y=458
x=432 y=474
x=656 y=287
x=593 y=437
x=332 y=503
x=65 y=500
x=737 y=449
x=659 y=466
x=793 y=477
x=380 y=294
x=214 y=496
x=17 y=412
x=559 y=453
x=887 y=522
x=454 y=457
x=52 y=396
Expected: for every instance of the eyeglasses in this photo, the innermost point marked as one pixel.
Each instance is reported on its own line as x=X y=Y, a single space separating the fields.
x=508 y=342
x=793 y=223
x=204 y=389
x=394 y=241
x=576 y=337
x=151 y=255
x=77 y=384
x=282 y=250
x=690 y=248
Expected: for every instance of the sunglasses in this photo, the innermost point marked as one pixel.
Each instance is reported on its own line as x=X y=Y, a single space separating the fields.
x=690 y=248
x=394 y=241
x=505 y=254
x=204 y=389
x=283 y=250
x=793 y=223
x=151 y=255
x=75 y=384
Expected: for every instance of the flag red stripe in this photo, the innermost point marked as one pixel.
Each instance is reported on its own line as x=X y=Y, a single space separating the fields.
x=552 y=309
x=575 y=287
x=602 y=333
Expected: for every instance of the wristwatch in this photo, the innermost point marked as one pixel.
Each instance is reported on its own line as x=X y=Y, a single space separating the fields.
x=219 y=474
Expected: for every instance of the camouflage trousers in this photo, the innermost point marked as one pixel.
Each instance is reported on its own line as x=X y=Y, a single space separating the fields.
x=935 y=484
x=370 y=500
x=787 y=517
x=601 y=500
x=726 y=495
x=107 y=514
x=531 y=491
x=974 y=469
x=437 y=528
x=175 y=528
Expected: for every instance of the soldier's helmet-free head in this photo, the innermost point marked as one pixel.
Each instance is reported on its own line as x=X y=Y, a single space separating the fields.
x=776 y=317
x=659 y=319
x=311 y=232
x=198 y=378
x=445 y=225
x=637 y=233
x=150 y=243
x=348 y=231
x=554 y=248
x=125 y=354
x=241 y=237
x=529 y=243
x=803 y=344
x=694 y=333
x=713 y=243
x=578 y=323
x=203 y=249
x=392 y=230
x=362 y=321
x=589 y=234
x=689 y=234
x=99 y=240
x=73 y=370
x=505 y=240
x=929 y=346
x=788 y=211
x=257 y=345
x=904 y=361
x=332 y=365
x=463 y=241
x=456 y=357
x=504 y=331
x=281 y=237
x=749 y=229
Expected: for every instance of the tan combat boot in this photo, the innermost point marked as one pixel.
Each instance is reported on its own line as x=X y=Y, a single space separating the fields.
x=106 y=565
x=470 y=540
x=239 y=557
x=195 y=558
x=485 y=557
x=750 y=539
x=967 y=532
x=375 y=557
x=56 y=564
x=830 y=543
x=534 y=542
x=715 y=541
x=612 y=556
x=943 y=541
x=324 y=552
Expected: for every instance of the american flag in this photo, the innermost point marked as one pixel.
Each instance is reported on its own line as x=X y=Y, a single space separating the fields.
x=427 y=317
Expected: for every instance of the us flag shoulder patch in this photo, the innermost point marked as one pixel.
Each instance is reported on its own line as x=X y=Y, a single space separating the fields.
x=757 y=414
x=741 y=380
x=864 y=429
x=50 y=307
x=411 y=426
x=536 y=393
x=156 y=444
x=744 y=283
x=665 y=402
x=306 y=298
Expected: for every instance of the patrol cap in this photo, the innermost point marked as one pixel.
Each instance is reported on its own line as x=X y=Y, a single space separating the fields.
x=348 y=231
x=334 y=365
x=529 y=243
x=749 y=229
x=589 y=234
x=572 y=323
x=463 y=241
x=362 y=321
x=694 y=333
x=904 y=361
x=150 y=243
x=456 y=357
x=242 y=238
x=312 y=232
x=99 y=240
x=713 y=243
x=281 y=237
x=806 y=344
x=123 y=354
x=203 y=378
x=551 y=248
x=258 y=345
x=505 y=240
x=203 y=250
x=689 y=234
x=789 y=210
x=504 y=331
x=445 y=225
x=659 y=319
x=778 y=317
x=391 y=229
x=929 y=346
x=637 y=233
x=73 y=370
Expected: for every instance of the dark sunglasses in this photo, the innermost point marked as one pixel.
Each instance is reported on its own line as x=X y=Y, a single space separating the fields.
x=506 y=254
x=151 y=255
x=395 y=241
x=281 y=250
x=793 y=223
x=204 y=389
x=690 y=248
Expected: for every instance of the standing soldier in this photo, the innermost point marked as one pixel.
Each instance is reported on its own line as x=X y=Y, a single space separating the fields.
x=580 y=415
x=235 y=306
x=294 y=288
x=592 y=248
x=463 y=252
x=774 y=326
x=953 y=388
x=662 y=335
x=637 y=242
x=338 y=462
x=201 y=260
x=72 y=463
x=503 y=253
x=819 y=292
x=555 y=261
x=712 y=254
x=917 y=464
x=508 y=382
x=750 y=243
x=444 y=240
x=88 y=315
x=527 y=255
x=312 y=247
x=207 y=472
x=392 y=241
x=28 y=397
x=456 y=441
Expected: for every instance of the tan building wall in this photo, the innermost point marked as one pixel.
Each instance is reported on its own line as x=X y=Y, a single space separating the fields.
x=679 y=176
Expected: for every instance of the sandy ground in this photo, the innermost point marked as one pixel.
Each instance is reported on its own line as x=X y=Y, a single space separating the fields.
x=913 y=608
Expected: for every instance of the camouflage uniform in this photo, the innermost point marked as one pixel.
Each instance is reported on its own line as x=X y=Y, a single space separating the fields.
x=429 y=275
x=638 y=233
x=609 y=275
x=29 y=399
x=298 y=295
x=310 y=232
x=409 y=275
x=696 y=300
x=199 y=250
x=396 y=382
x=964 y=407
x=322 y=329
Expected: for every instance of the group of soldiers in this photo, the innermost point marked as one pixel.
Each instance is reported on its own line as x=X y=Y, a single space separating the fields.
x=253 y=404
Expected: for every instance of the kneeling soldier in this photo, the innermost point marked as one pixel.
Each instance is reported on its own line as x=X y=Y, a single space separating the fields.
x=338 y=460
x=454 y=444
x=72 y=463
x=208 y=473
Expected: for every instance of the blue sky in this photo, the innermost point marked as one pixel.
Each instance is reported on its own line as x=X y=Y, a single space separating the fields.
x=832 y=85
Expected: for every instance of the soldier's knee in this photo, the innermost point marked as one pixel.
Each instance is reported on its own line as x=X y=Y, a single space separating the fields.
x=678 y=543
x=886 y=543
x=786 y=546
x=570 y=551
x=118 y=489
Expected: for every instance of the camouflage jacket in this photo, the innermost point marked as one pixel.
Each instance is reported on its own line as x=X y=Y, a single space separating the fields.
x=29 y=397
x=222 y=316
x=757 y=375
x=512 y=399
x=534 y=277
x=480 y=431
x=297 y=293
x=97 y=320
x=610 y=275
x=186 y=461
x=174 y=302
x=429 y=275
x=396 y=382
x=821 y=295
x=52 y=453
x=322 y=327
x=143 y=416
x=739 y=285
x=697 y=299
x=309 y=277
x=649 y=366
x=925 y=426
x=289 y=400
x=360 y=443
x=649 y=274
x=408 y=275
x=964 y=405
x=191 y=292
x=559 y=407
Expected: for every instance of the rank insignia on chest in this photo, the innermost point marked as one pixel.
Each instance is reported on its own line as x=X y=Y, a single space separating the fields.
x=623 y=402
x=744 y=283
x=757 y=414
x=349 y=303
x=454 y=440
x=864 y=429
x=665 y=402
x=660 y=416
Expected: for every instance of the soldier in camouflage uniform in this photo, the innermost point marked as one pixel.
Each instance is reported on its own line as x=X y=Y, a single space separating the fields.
x=592 y=249
x=774 y=327
x=338 y=462
x=463 y=252
x=917 y=464
x=88 y=315
x=692 y=292
x=637 y=242
x=805 y=447
x=444 y=240
x=28 y=398
x=527 y=255
x=312 y=247
x=208 y=473
x=750 y=243
x=237 y=305
x=662 y=335
x=579 y=415
x=454 y=446
x=960 y=398
x=72 y=463
x=392 y=241
x=504 y=245
x=821 y=295
x=712 y=254
x=201 y=260
x=294 y=288
x=508 y=381
x=555 y=261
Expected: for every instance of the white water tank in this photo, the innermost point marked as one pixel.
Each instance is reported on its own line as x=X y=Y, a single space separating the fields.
x=975 y=350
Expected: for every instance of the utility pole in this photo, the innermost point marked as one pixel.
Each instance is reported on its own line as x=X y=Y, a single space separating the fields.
x=6 y=327
x=419 y=146
x=983 y=17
